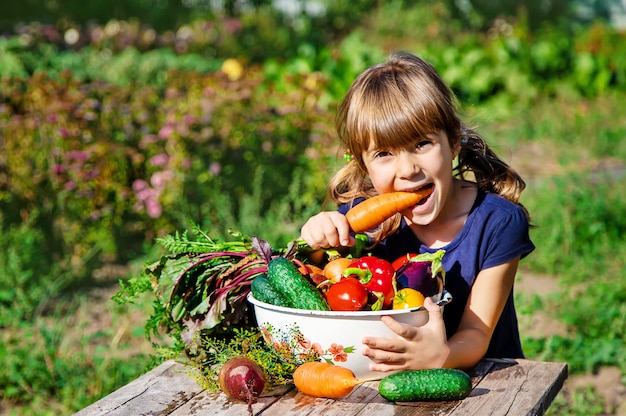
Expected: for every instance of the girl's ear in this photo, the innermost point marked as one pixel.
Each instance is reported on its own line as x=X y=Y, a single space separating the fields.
x=456 y=149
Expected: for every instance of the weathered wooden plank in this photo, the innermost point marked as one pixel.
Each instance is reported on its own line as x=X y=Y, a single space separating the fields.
x=511 y=388
x=515 y=389
x=159 y=391
x=207 y=403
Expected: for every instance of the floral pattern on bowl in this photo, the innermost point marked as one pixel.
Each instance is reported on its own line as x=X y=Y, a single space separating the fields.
x=290 y=342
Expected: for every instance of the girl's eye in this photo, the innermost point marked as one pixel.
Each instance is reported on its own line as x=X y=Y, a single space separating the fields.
x=381 y=153
x=422 y=143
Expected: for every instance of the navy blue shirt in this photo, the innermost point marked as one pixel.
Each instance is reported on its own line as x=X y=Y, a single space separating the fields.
x=496 y=231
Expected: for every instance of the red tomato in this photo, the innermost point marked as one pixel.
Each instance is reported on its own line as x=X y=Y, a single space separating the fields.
x=402 y=260
x=377 y=275
x=347 y=295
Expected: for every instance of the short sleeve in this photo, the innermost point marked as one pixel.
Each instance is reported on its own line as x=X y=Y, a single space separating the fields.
x=510 y=238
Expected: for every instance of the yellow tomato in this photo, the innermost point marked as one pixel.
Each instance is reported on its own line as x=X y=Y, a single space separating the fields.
x=408 y=298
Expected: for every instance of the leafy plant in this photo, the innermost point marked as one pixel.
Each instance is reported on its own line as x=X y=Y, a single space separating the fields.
x=588 y=228
x=278 y=369
x=47 y=368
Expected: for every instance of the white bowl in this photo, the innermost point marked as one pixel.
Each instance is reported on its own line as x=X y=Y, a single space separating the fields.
x=333 y=336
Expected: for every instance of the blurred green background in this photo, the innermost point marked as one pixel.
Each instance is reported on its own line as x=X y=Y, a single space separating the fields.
x=122 y=121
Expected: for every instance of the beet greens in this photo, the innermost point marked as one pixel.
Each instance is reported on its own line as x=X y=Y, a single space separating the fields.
x=203 y=285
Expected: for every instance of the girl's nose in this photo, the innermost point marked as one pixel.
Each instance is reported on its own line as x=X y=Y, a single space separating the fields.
x=407 y=166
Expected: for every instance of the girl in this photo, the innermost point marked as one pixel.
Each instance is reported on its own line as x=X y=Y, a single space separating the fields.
x=400 y=126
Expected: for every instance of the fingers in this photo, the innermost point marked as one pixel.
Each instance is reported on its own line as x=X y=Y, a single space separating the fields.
x=412 y=347
x=390 y=351
x=382 y=353
x=435 y=317
x=327 y=229
x=403 y=330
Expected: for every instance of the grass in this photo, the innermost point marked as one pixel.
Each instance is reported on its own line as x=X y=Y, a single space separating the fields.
x=572 y=152
x=80 y=347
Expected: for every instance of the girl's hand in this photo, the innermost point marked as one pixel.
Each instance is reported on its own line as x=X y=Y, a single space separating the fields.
x=327 y=229
x=415 y=348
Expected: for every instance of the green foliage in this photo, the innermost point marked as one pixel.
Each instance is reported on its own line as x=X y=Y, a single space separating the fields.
x=576 y=240
x=538 y=14
x=96 y=63
x=596 y=327
x=523 y=66
x=582 y=401
x=143 y=162
x=28 y=282
x=512 y=57
x=40 y=364
x=278 y=369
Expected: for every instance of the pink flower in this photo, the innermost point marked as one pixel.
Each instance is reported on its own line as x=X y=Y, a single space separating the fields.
x=159 y=160
x=165 y=132
x=139 y=185
x=146 y=194
x=233 y=25
x=159 y=179
x=153 y=208
x=317 y=347
x=77 y=155
x=215 y=168
x=266 y=334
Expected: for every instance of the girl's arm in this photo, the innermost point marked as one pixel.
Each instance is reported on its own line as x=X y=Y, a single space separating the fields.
x=427 y=347
x=485 y=304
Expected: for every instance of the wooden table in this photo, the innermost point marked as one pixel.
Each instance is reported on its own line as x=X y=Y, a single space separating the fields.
x=501 y=387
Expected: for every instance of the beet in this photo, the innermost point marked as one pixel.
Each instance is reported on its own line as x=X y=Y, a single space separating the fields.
x=418 y=275
x=241 y=378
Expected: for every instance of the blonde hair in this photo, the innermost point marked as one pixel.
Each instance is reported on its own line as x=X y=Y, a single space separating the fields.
x=393 y=104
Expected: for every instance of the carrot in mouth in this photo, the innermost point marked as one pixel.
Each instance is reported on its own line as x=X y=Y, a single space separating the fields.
x=372 y=212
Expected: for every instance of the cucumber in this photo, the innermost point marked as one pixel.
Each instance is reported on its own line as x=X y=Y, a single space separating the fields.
x=263 y=291
x=426 y=385
x=297 y=291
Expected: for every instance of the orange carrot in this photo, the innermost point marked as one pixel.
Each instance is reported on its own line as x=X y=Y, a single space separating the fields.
x=374 y=211
x=321 y=379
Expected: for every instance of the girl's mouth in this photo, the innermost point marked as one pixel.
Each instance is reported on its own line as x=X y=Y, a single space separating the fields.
x=428 y=188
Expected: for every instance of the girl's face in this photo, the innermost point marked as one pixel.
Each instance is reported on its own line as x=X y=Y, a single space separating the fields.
x=427 y=163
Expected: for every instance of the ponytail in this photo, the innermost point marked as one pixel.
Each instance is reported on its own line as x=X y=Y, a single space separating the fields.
x=477 y=162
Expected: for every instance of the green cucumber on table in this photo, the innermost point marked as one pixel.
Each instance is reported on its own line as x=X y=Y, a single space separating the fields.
x=433 y=384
